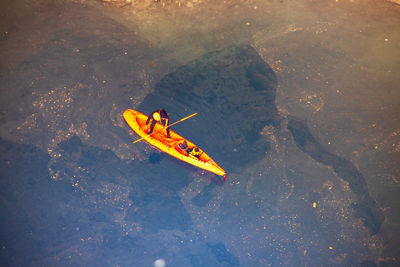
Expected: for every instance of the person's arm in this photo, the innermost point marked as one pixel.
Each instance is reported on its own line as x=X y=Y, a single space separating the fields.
x=149 y=118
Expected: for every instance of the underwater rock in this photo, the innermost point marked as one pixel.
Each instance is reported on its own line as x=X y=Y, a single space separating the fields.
x=223 y=255
x=154 y=207
x=365 y=207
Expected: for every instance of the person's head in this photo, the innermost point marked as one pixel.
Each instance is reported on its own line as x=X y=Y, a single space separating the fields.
x=157 y=116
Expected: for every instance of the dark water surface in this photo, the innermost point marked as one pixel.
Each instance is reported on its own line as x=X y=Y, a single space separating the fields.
x=74 y=190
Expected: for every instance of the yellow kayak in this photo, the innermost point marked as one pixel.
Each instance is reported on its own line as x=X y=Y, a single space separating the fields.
x=159 y=139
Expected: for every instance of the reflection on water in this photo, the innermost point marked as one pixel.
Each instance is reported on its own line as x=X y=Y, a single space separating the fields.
x=289 y=104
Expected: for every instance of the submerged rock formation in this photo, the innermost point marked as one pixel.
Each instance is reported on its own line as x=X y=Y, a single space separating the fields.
x=234 y=92
x=365 y=207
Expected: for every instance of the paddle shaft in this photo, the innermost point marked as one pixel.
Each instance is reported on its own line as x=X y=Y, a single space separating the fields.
x=194 y=114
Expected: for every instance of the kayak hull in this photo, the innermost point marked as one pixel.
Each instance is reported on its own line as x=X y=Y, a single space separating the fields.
x=159 y=139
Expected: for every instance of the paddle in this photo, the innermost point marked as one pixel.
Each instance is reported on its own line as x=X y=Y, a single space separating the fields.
x=194 y=114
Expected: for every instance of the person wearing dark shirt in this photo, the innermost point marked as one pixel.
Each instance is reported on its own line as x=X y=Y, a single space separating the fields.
x=161 y=116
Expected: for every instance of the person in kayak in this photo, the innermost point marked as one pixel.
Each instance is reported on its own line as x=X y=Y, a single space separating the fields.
x=193 y=151
x=161 y=116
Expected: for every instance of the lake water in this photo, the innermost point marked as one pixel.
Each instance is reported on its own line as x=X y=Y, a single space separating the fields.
x=297 y=100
